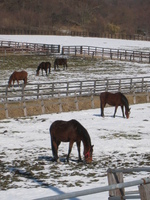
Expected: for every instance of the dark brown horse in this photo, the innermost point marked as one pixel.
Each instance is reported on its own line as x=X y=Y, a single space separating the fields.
x=43 y=66
x=60 y=61
x=17 y=76
x=117 y=99
x=70 y=131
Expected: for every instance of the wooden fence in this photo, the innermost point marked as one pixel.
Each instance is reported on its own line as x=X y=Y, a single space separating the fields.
x=71 y=89
x=116 y=187
x=50 y=49
x=118 y=54
x=28 y=48
x=115 y=176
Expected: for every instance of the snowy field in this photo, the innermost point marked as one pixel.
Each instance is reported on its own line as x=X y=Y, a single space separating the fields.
x=26 y=171
x=79 y=69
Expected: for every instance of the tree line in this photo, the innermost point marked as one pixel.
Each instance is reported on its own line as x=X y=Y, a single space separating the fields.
x=97 y=16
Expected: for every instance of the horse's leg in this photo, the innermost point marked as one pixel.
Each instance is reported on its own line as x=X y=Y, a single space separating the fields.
x=102 y=109
x=46 y=71
x=115 y=110
x=13 y=83
x=79 y=154
x=122 y=111
x=54 y=150
x=18 y=82
x=69 y=151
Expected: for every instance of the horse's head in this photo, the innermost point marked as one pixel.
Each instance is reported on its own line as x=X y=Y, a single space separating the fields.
x=10 y=80
x=127 y=112
x=37 y=72
x=88 y=155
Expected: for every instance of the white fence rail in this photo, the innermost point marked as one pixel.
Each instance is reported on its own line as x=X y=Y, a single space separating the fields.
x=75 y=88
x=56 y=92
x=144 y=194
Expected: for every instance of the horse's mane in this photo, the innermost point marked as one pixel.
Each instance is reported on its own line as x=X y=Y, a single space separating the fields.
x=125 y=100
x=10 y=78
x=39 y=67
x=83 y=131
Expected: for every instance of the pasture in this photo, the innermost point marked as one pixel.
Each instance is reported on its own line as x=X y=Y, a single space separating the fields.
x=26 y=152
x=26 y=169
x=78 y=68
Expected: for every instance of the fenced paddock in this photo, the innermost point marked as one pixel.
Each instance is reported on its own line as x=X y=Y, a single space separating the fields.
x=7 y=47
x=53 y=96
x=107 y=53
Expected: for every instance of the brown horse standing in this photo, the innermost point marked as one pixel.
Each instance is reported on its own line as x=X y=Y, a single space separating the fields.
x=43 y=66
x=60 y=61
x=70 y=131
x=17 y=76
x=117 y=99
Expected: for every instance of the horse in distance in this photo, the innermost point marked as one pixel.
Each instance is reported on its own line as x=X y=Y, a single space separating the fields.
x=114 y=99
x=46 y=66
x=60 y=61
x=70 y=131
x=17 y=76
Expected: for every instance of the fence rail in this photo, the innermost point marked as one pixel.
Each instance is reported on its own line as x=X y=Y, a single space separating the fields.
x=72 y=89
x=144 y=186
x=118 y=54
x=47 y=49
x=24 y=47
x=81 y=88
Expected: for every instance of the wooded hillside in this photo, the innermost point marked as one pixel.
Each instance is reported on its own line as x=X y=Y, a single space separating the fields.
x=97 y=16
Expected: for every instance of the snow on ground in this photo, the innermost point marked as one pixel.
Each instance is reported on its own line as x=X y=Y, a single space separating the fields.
x=70 y=40
x=26 y=150
x=26 y=171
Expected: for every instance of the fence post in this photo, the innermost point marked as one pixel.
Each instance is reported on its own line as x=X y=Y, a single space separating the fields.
x=92 y=99
x=115 y=178
x=42 y=105
x=144 y=191
x=6 y=108
x=38 y=89
x=119 y=85
x=80 y=87
x=59 y=102
x=147 y=94
x=6 y=91
x=134 y=95
x=23 y=91
x=76 y=101
x=24 y=106
x=107 y=84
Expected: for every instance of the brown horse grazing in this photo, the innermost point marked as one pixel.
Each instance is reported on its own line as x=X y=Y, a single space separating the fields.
x=60 y=61
x=117 y=99
x=70 y=131
x=17 y=76
x=43 y=66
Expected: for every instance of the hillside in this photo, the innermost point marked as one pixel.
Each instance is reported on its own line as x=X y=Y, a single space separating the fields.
x=97 y=16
